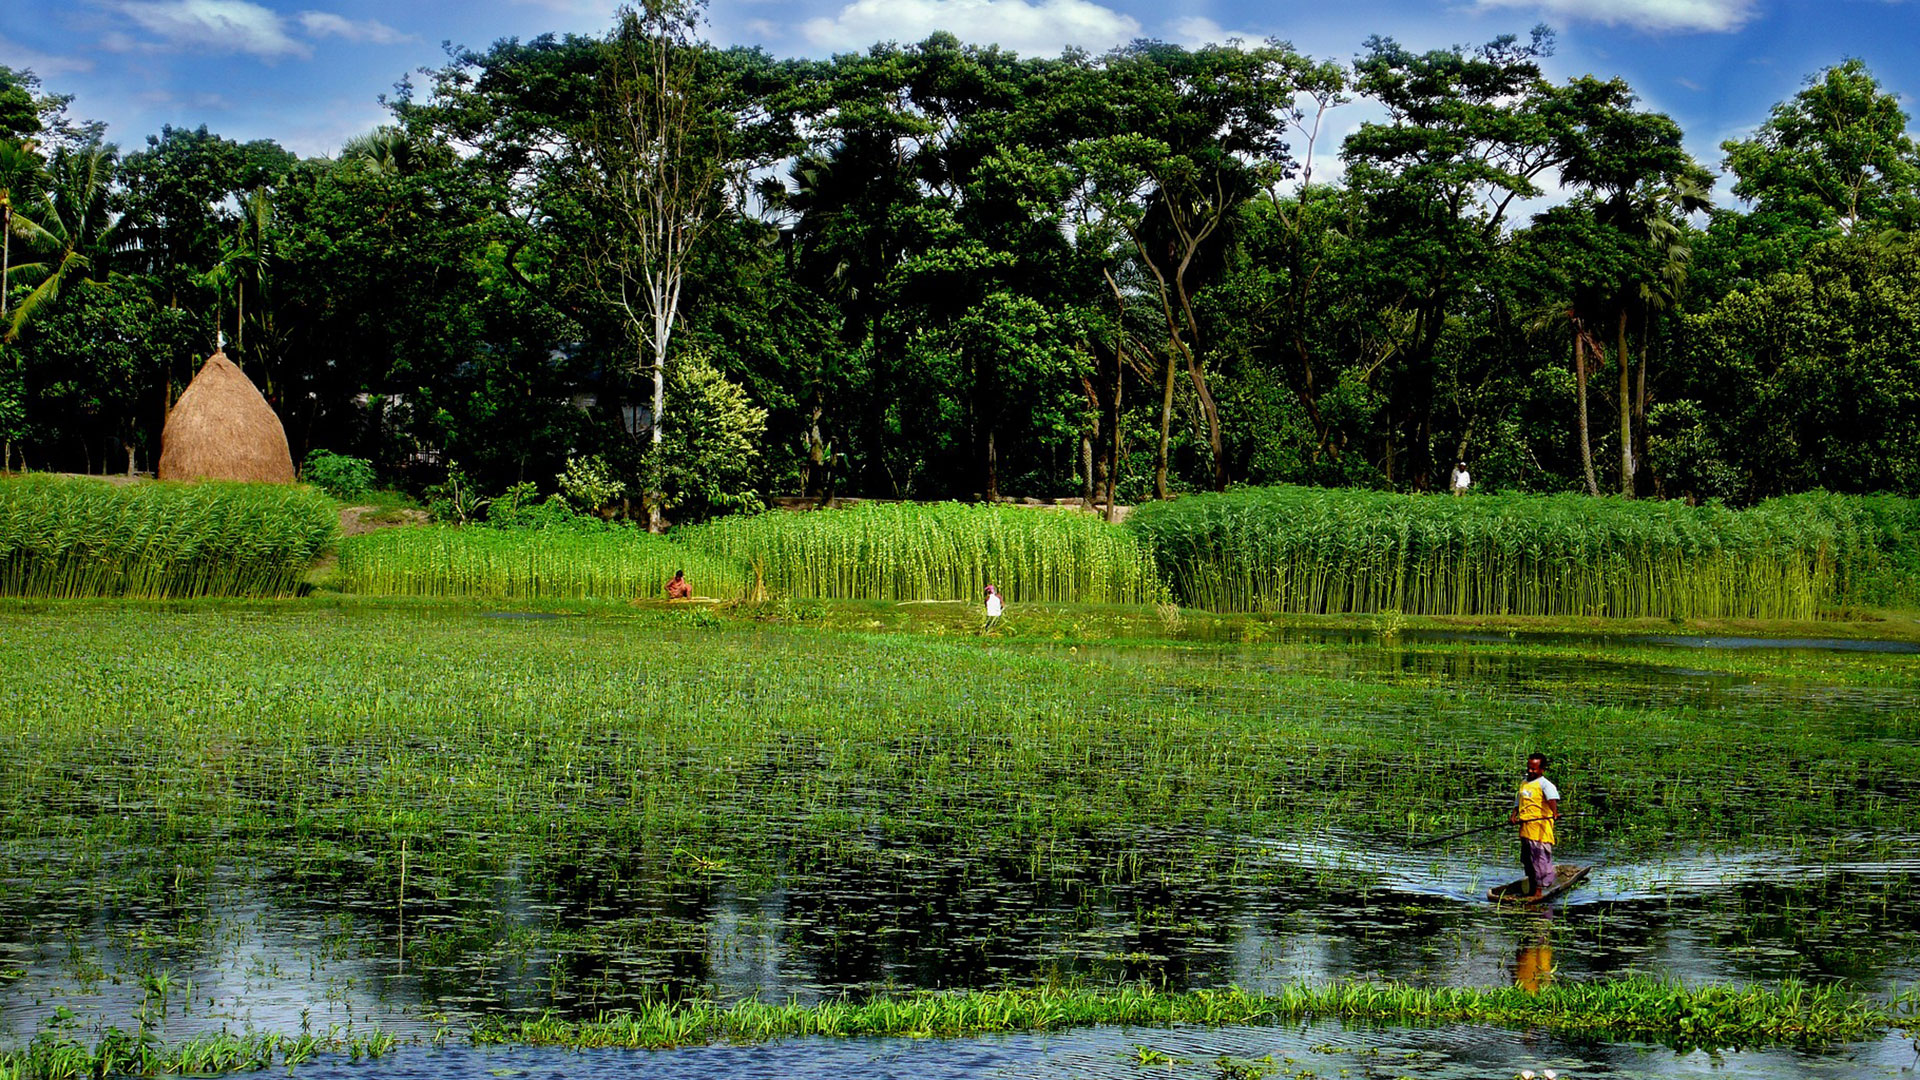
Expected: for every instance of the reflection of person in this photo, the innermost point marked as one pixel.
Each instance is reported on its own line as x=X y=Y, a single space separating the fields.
x=679 y=588
x=993 y=607
x=1461 y=480
x=1535 y=811
x=1533 y=965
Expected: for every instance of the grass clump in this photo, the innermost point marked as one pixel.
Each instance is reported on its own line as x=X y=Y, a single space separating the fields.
x=1337 y=552
x=1629 y=1008
x=944 y=551
x=566 y=562
x=64 y=537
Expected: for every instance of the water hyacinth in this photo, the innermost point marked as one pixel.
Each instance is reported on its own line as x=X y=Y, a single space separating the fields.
x=81 y=537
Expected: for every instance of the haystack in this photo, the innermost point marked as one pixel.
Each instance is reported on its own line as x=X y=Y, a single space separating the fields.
x=222 y=429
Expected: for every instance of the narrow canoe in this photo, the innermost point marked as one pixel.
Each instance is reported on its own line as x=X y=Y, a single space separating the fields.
x=1515 y=892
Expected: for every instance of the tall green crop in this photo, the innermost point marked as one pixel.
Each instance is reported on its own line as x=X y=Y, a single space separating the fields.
x=75 y=537
x=558 y=563
x=943 y=551
x=1337 y=551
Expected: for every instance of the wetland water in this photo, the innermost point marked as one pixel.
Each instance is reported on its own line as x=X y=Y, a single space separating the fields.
x=414 y=819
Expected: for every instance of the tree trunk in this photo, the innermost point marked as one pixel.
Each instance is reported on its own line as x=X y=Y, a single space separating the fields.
x=1626 y=407
x=1211 y=413
x=1640 y=400
x=1580 y=383
x=1166 y=431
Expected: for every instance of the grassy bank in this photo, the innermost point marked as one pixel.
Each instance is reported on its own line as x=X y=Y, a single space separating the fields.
x=78 y=537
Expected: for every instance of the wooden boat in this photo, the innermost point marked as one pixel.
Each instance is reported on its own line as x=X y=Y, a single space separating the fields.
x=1516 y=892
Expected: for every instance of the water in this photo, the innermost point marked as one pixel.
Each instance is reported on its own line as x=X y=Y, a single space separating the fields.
x=898 y=899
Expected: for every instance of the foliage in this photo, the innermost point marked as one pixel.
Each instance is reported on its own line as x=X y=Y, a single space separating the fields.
x=521 y=507
x=80 y=537
x=455 y=500
x=590 y=485
x=343 y=477
x=710 y=446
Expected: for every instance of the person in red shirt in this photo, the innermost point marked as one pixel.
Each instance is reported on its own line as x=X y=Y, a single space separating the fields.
x=678 y=588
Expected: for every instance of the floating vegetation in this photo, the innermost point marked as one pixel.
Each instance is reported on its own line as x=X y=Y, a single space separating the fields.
x=1326 y=551
x=1628 y=1008
x=944 y=551
x=59 y=1054
x=80 y=537
x=552 y=563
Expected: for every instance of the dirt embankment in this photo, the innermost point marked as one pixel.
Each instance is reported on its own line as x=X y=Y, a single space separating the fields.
x=355 y=520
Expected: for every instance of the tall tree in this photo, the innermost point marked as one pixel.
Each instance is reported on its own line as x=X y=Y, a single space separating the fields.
x=1468 y=134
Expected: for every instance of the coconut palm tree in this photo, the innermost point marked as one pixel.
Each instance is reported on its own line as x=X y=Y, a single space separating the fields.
x=73 y=232
x=20 y=174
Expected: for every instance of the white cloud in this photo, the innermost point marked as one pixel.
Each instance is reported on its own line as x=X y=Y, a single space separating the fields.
x=1713 y=15
x=45 y=65
x=216 y=26
x=1197 y=30
x=326 y=24
x=1029 y=28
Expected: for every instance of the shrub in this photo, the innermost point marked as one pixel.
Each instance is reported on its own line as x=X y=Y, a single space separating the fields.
x=345 y=478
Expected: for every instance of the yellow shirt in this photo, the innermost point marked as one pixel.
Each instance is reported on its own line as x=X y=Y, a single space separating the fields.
x=1535 y=820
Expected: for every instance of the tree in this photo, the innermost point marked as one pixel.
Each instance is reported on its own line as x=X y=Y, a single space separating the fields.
x=1837 y=155
x=1195 y=135
x=711 y=444
x=74 y=232
x=1468 y=134
x=1640 y=180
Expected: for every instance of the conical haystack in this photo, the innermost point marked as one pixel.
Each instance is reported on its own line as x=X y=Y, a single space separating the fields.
x=222 y=429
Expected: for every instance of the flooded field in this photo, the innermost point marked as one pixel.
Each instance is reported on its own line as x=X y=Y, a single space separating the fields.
x=415 y=819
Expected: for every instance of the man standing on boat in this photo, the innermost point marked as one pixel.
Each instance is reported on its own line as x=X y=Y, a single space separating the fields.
x=1534 y=812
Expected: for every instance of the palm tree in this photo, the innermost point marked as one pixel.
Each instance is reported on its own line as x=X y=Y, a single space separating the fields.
x=74 y=232
x=20 y=174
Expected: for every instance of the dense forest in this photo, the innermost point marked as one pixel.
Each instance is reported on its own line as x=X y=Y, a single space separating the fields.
x=705 y=276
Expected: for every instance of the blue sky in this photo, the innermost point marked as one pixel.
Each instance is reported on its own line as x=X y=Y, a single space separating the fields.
x=308 y=73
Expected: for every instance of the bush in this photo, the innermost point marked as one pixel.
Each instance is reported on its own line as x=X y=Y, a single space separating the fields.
x=590 y=485
x=521 y=507
x=345 y=478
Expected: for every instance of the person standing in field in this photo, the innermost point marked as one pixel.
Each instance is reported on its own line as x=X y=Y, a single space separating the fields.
x=679 y=588
x=1461 y=480
x=1535 y=811
x=993 y=607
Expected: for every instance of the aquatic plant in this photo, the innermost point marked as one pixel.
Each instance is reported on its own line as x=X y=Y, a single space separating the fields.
x=1340 y=551
x=1634 y=1007
x=943 y=551
x=80 y=537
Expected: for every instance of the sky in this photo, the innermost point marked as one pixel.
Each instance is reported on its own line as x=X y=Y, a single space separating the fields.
x=309 y=73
